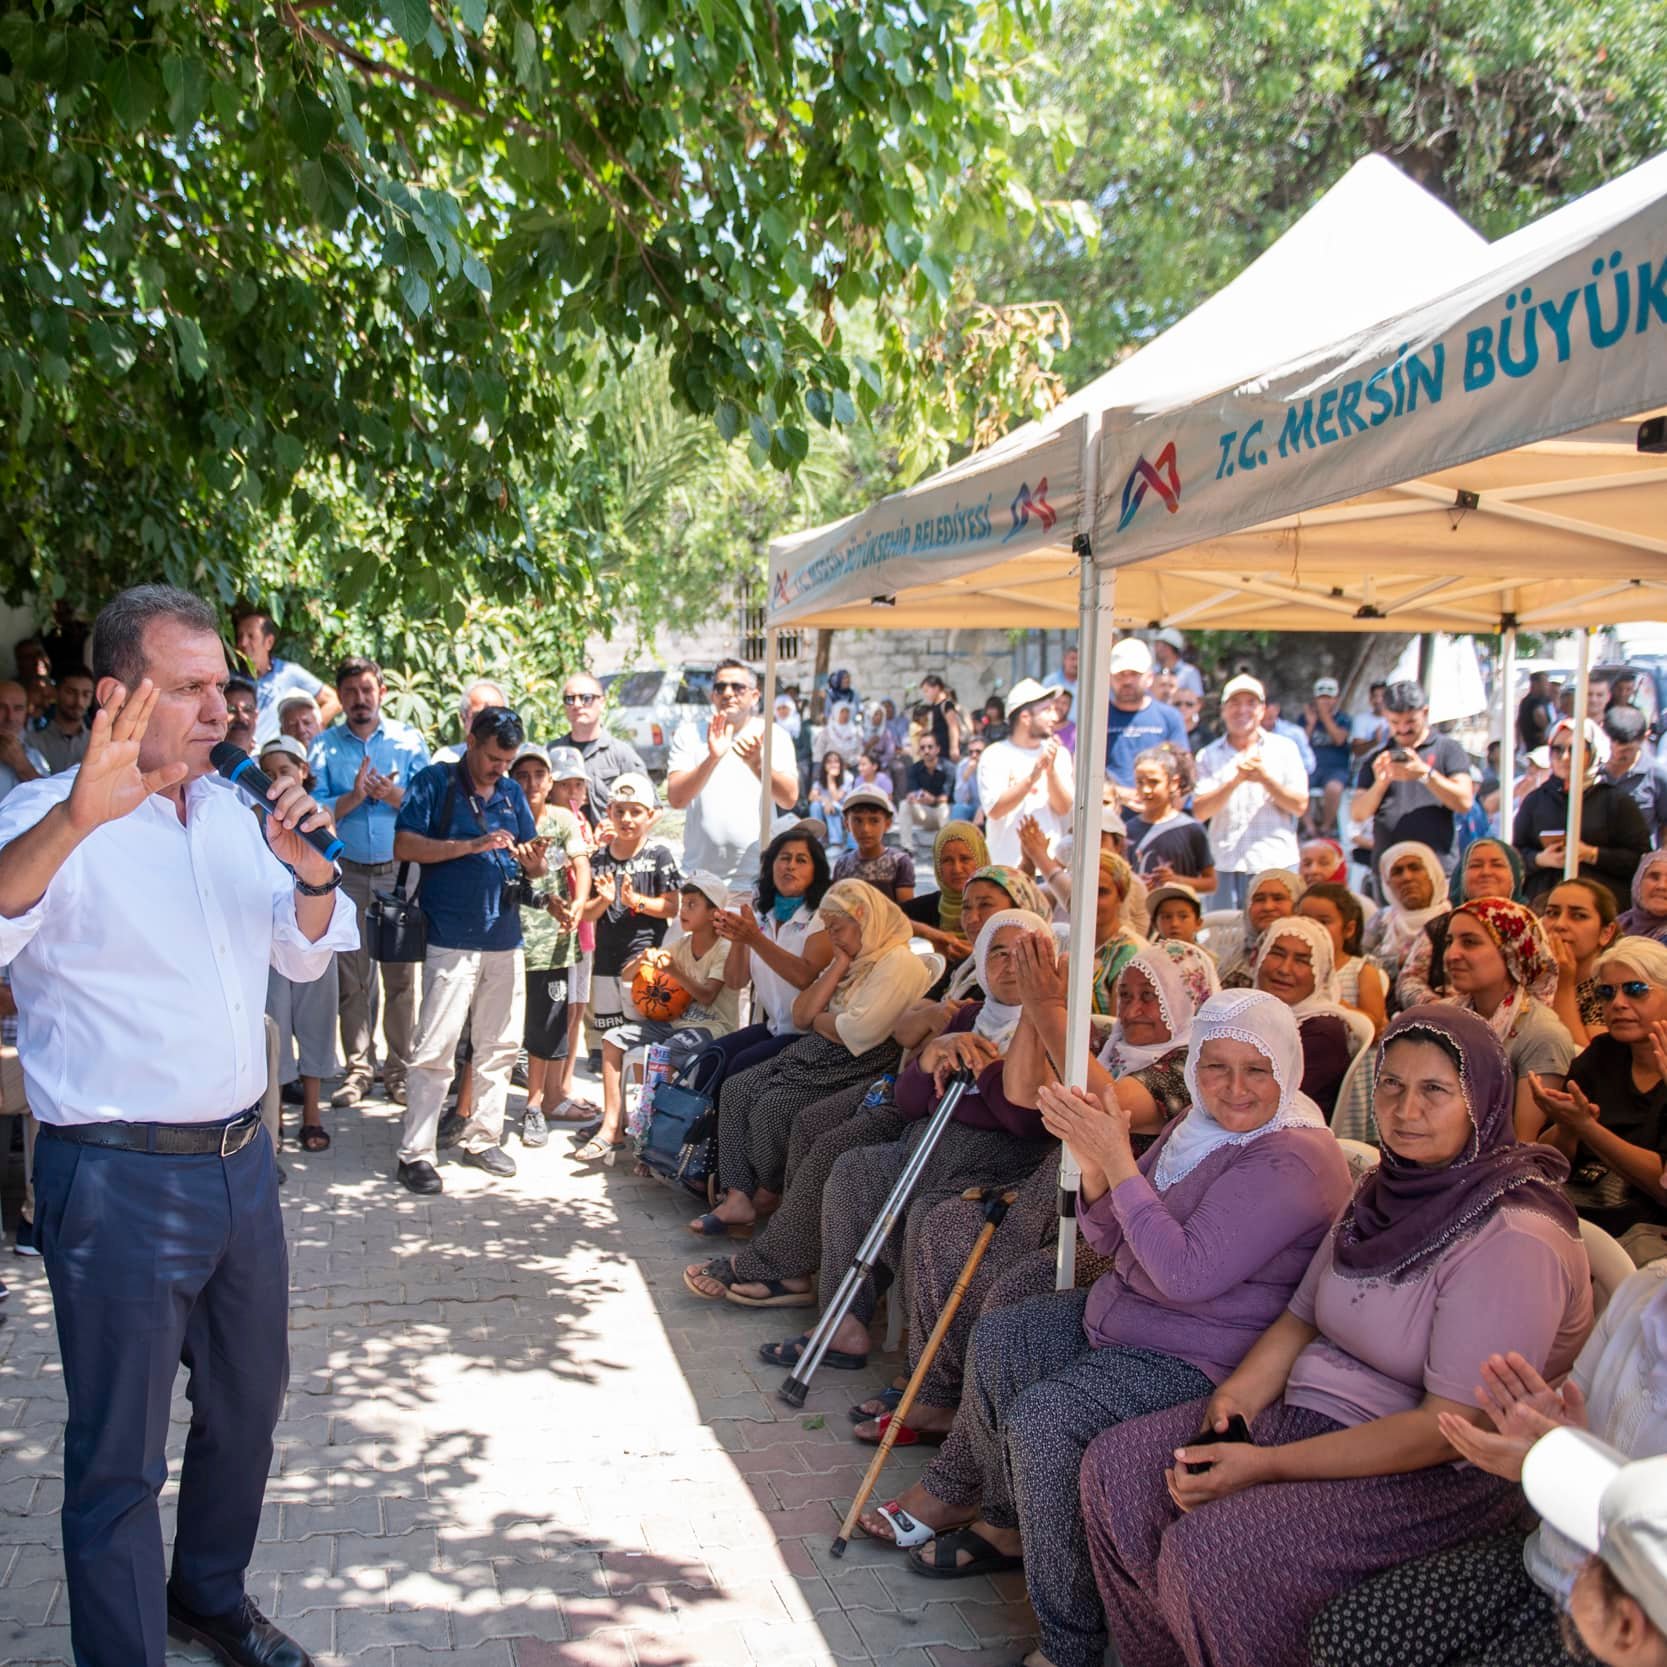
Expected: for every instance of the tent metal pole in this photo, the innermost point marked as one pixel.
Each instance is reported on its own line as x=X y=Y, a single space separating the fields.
x=766 y=797
x=1577 y=760
x=1507 y=731
x=1097 y=592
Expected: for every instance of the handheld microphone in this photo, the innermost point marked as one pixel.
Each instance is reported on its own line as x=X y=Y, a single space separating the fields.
x=238 y=767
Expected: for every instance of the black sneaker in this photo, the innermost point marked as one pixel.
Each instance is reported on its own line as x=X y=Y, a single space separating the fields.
x=493 y=1160
x=534 y=1130
x=25 y=1245
x=420 y=1177
x=450 y=1131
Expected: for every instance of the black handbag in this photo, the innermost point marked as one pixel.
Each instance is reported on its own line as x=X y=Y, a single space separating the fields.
x=682 y=1139
x=396 y=930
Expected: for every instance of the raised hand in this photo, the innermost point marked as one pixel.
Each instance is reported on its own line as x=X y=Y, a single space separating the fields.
x=720 y=735
x=1036 y=965
x=110 y=783
x=1567 y=1107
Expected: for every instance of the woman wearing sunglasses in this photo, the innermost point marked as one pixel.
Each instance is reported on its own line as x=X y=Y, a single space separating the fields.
x=1613 y=836
x=1611 y=1119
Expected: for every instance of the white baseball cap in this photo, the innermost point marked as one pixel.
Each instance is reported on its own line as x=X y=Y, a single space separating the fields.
x=874 y=796
x=1159 y=895
x=633 y=789
x=1243 y=684
x=1326 y=686
x=1176 y=639
x=284 y=744
x=1130 y=654
x=1026 y=692
x=567 y=764
x=709 y=886
x=1617 y=1509
x=1111 y=822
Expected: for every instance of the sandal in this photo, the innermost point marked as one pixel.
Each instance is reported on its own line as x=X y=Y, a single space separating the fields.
x=315 y=1137
x=710 y=1226
x=889 y=1399
x=600 y=1151
x=872 y=1431
x=719 y=1269
x=574 y=1111
x=906 y=1531
x=947 y=1547
x=792 y=1352
x=780 y=1296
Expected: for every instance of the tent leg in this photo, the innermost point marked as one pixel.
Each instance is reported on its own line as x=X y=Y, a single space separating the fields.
x=1577 y=760
x=1097 y=594
x=766 y=799
x=1507 y=731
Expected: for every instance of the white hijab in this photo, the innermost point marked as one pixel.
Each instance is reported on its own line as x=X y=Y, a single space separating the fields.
x=843 y=735
x=1324 y=999
x=997 y=1020
x=1183 y=977
x=787 y=715
x=1269 y=1026
x=1402 y=926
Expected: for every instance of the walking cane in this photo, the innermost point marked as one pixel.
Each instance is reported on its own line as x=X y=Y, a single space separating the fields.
x=994 y=1210
x=797 y=1383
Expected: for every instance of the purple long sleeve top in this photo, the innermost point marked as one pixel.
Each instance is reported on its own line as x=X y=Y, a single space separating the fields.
x=984 y=1106
x=1202 y=1270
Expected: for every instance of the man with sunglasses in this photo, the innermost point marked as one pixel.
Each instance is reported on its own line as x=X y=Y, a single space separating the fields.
x=606 y=756
x=470 y=827
x=713 y=773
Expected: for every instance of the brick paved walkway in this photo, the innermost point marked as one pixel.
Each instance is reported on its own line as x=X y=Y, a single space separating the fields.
x=513 y=1439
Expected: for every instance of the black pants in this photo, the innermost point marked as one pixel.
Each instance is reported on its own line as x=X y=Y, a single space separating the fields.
x=155 y=1261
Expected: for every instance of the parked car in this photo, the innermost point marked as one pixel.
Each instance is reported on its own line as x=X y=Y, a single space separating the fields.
x=645 y=707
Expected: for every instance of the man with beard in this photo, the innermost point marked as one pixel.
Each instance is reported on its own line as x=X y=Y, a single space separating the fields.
x=62 y=736
x=362 y=767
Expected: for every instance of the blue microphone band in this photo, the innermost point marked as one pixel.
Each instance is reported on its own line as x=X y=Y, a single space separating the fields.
x=331 y=850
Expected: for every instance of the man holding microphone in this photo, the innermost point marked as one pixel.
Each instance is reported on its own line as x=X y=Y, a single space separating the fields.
x=141 y=905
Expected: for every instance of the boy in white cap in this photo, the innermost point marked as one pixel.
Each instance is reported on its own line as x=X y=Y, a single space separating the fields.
x=1028 y=774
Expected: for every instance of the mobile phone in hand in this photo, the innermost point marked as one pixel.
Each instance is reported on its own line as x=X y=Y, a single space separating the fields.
x=1237 y=1430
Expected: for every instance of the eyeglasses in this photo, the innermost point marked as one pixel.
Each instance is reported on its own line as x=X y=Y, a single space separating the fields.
x=1634 y=989
x=580 y=700
x=728 y=688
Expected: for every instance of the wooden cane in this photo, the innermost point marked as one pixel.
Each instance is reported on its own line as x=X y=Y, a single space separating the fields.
x=994 y=1210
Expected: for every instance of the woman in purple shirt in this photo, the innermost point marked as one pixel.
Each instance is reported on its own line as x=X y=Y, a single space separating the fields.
x=1219 y=1529
x=1209 y=1234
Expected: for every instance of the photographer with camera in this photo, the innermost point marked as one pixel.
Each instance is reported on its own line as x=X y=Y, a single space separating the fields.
x=469 y=826
x=1415 y=786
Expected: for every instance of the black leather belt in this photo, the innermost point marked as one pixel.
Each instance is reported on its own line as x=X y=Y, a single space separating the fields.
x=162 y=1139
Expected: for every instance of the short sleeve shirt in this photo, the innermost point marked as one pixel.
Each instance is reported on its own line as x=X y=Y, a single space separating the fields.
x=1179 y=844
x=1604 y=1072
x=720 y=825
x=1002 y=765
x=463 y=899
x=546 y=944
x=886 y=872
x=620 y=934
x=1409 y=810
x=1128 y=734
x=724 y=1014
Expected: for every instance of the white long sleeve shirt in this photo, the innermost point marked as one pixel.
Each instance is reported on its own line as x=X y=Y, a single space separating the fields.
x=140 y=976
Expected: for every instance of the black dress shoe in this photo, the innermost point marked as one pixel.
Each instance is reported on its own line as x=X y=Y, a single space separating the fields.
x=493 y=1160
x=420 y=1177
x=245 y=1639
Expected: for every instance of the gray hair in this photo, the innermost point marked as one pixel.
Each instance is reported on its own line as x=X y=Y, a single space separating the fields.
x=469 y=689
x=119 y=630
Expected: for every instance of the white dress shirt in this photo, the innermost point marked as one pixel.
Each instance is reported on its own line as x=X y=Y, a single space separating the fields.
x=140 y=976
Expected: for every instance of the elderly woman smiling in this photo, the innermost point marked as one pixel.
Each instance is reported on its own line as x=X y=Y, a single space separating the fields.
x=1219 y=1529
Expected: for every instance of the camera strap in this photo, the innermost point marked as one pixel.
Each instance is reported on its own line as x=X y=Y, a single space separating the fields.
x=442 y=824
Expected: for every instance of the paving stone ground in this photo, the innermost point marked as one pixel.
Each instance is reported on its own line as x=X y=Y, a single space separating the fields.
x=512 y=1439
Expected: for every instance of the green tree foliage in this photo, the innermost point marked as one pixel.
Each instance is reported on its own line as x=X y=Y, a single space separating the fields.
x=328 y=277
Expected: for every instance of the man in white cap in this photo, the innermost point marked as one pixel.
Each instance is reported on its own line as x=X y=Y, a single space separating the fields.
x=1617 y=1511
x=1170 y=647
x=1251 y=790
x=1329 y=735
x=1028 y=774
x=1135 y=721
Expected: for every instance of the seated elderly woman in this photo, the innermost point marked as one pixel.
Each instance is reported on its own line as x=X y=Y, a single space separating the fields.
x=1219 y=1529
x=958 y=852
x=1496 y=1602
x=991 y=1140
x=1611 y=1121
x=1145 y=1058
x=773 y=1270
x=1210 y=1233
x=1295 y=964
x=1491 y=868
x=1414 y=887
x=848 y=1011
x=1273 y=895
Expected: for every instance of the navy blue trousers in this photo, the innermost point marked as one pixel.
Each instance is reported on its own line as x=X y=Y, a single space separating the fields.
x=751 y=1046
x=155 y=1261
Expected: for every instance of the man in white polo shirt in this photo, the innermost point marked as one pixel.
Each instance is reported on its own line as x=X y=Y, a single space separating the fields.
x=1028 y=774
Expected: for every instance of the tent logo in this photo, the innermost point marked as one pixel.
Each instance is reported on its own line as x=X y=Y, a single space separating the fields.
x=1145 y=475
x=1027 y=503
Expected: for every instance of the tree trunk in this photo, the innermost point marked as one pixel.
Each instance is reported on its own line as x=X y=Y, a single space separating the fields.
x=819 y=678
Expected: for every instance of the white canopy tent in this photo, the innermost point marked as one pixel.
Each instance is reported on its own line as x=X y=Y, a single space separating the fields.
x=1376 y=477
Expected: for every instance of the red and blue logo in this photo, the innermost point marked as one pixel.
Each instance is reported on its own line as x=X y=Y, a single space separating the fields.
x=1027 y=503
x=1162 y=477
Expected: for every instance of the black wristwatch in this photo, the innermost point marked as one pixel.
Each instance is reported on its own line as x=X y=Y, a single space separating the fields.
x=316 y=891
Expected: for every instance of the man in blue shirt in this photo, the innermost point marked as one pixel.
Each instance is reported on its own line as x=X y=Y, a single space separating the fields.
x=1135 y=721
x=362 y=767
x=275 y=678
x=470 y=827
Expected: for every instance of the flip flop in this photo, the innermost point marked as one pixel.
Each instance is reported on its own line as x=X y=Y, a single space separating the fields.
x=891 y=1398
x=709 y=1226
x=719 y=1269
x=946 y=1547
x=780 y=1296
x=792 y=1352
x=576 y=1113
x=906 y=1531
x=907 y=1435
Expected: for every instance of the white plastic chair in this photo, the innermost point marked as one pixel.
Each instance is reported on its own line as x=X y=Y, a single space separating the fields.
x=930 y=959
x=1351 y=1112
x=1212 y=934
x=1362 y=1033
x=1360 y=1157
x=1610 y=1264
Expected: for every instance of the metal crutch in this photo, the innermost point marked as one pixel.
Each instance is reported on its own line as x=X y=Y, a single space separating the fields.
x=994 y=1210
x=796 y=1385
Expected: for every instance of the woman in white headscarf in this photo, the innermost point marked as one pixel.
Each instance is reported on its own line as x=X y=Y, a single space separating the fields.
x=1209 y=1234
x=1273 y=895
x=1296 y=963
x=839 y=734
x=1414 y=887
x=787 y=715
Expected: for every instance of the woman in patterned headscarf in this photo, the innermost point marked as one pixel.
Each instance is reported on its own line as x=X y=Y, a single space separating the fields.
x=1491 y=868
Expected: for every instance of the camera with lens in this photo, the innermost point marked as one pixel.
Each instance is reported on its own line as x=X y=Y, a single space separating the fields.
x=519 y=891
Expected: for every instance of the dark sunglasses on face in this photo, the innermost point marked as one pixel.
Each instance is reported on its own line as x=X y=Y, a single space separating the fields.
x=1634 y=989
x=580 y=700
x=730 y=688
